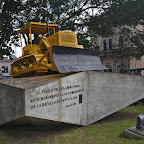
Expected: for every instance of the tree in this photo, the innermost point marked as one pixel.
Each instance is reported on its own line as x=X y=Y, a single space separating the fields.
x=8 y=10
x=14 y=14
x=126 y=16
x=67 y=13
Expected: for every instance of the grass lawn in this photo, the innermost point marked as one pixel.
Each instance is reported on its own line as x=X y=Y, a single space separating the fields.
x=106 y=131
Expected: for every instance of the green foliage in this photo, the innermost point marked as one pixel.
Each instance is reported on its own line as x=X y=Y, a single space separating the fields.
x=83 y=40
x=8 y=10
x=14 y=14
x=126 y=16
x=121 y=42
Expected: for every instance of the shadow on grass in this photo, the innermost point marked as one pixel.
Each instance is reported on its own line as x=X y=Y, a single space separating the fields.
x=130 y=136
x=29 y=131
x=123 y=114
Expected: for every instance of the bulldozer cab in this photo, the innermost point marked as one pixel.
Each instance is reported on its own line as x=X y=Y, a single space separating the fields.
x=35 y=28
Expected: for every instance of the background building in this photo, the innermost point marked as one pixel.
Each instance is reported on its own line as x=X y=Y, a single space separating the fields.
x=5 y=66
x=112 y=45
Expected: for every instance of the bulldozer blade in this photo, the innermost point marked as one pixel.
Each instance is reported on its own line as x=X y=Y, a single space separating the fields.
x=68 y=59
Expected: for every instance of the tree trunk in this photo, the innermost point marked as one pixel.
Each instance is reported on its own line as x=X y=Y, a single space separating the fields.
x=1 y=21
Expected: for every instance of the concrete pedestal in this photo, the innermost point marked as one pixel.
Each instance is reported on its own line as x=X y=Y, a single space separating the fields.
x=136 y=131
x=81 y=98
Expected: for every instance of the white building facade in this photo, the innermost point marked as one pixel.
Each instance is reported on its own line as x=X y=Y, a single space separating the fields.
x=5 y=66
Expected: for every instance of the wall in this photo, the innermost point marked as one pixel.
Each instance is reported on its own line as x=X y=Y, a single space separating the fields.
x=81 y=98
x=137 y=63
x=7 y=63
x=107 y=55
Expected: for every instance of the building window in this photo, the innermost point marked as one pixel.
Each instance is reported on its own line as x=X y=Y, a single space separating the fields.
x=121 y=42
x=109 y=68
x=104 y=45
x=4 y=69
x=110 y=44
x=121 y=67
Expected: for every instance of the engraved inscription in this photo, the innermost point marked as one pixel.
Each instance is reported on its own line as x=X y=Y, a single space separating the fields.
x=48 y=97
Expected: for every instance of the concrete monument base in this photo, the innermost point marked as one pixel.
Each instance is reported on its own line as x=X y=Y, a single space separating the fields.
x=80 y=98
x=134 y=131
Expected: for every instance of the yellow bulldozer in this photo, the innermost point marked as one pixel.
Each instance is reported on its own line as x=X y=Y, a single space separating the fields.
x=54 y=52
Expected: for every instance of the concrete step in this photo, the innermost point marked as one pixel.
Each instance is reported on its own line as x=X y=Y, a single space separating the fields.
x=79 y=98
